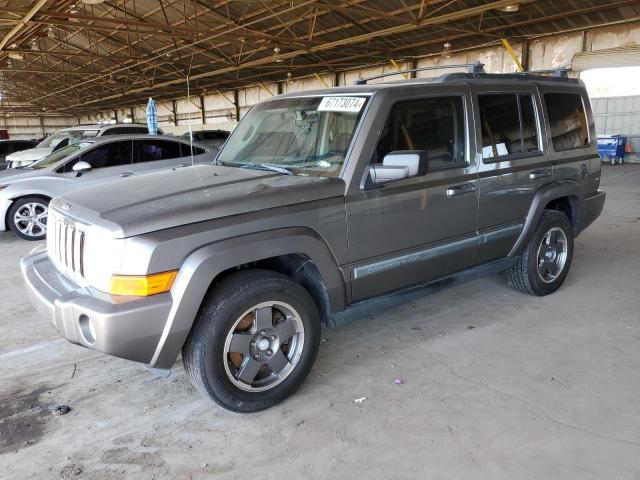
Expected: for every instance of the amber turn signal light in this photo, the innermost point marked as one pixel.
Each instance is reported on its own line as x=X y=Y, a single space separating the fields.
x=142 y=285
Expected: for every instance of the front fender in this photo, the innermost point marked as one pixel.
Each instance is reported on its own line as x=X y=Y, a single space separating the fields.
x=549 y=192
x=202 y=266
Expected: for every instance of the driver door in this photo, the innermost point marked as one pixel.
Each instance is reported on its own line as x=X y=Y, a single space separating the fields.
x=420 y=228
x=109 y=161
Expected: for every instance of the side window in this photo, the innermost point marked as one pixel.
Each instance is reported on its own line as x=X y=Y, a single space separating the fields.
x=529 y=124
x=500 y=124
x=435 y=125
x=23 y=146
x=567 y=119
x=508 y=123
x=109 y=155
x=123 y=131
x=152 y=150
x=186 y=150
x=4 y=148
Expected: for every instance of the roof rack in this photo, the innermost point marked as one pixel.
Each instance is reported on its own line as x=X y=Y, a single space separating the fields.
x=475 y=68
x=561 y=72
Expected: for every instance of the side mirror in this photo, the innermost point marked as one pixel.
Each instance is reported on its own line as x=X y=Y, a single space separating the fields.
x=398 y=165
x=81 y=167
x=381 y=174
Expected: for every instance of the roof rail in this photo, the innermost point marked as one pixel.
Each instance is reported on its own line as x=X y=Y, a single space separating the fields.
x=561 y=72
x=475 y=68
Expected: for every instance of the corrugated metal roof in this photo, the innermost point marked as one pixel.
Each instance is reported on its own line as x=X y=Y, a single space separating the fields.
x=73 y=57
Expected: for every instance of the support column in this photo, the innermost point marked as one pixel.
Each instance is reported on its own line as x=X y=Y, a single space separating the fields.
x=413 y=64
x=203 y=114
x=175 y=113
x=525 y=55
x=236 y=102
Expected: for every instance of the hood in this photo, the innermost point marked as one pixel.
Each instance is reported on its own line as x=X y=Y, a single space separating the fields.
x=15 y=174
x=165 y=199
x=29 y=156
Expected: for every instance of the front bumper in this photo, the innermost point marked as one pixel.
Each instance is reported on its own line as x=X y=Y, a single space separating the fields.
x=592 y=208
x=88 y=317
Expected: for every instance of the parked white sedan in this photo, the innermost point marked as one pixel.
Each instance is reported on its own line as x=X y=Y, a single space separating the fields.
x=25 y=192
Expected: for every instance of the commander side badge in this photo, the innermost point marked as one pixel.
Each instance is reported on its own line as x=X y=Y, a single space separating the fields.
x=65 y=206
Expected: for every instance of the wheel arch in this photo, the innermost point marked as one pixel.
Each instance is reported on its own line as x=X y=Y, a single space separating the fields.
x=299 y=253
x=564 y=196
x=8 y=223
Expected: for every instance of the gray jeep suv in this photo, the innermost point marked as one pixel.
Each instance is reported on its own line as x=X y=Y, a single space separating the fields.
x=320 y=200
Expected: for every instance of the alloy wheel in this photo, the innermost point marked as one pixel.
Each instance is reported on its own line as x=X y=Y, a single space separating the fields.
x=263 y=346
x=31 y=219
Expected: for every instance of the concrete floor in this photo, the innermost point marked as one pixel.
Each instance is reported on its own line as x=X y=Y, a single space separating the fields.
x=497 y=385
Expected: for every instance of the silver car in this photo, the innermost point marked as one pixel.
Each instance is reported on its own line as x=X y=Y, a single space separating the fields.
x=25 y=193
x=70 y=135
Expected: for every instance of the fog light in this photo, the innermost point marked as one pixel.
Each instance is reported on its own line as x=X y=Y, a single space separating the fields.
x=142 y=285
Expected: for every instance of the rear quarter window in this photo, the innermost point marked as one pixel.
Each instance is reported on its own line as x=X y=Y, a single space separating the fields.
x=567 y=121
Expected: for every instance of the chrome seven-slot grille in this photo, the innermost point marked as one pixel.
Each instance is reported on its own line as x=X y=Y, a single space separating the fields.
x=65 y=244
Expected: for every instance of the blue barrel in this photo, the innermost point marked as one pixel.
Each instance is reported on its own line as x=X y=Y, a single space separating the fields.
x=611 y=147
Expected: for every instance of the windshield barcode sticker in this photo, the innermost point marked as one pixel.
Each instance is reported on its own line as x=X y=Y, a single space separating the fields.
x=341 y=104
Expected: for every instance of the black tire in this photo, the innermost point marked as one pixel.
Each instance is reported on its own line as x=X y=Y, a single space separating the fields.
x=39 y=231
x=220 y=311
x=525 y=275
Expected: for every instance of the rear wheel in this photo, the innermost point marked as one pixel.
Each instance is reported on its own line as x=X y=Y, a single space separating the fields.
x=544 y=264
x=255 y=341
x=27 y=218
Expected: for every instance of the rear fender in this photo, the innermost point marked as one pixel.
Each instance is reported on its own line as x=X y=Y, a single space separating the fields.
x=546 y=194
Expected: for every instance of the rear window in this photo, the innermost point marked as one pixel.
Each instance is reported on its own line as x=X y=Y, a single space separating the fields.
x=187 y=149
x=568 y=122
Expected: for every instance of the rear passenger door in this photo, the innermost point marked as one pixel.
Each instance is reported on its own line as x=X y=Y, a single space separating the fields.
x=423 y=227
x=513 y=164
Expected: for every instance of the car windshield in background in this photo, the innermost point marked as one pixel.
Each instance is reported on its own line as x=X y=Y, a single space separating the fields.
x=55 y=157
x=70 y=136
x=306 y=136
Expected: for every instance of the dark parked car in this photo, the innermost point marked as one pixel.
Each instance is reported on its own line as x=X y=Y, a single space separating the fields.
x=8 y=147
x=320 y=200
x=210 y=138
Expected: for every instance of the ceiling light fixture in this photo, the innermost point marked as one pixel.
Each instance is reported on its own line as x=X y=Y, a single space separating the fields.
x=511 y=8
x=446 y=50
x=92 y=2
x=16 y=55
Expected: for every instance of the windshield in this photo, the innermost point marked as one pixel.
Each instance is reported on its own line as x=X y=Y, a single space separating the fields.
x=307 y=136
x=70 y=136
x=59 y=155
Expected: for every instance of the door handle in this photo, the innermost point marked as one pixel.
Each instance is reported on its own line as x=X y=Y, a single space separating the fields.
x=458 y=190
x=126 y=174
x=536 y=174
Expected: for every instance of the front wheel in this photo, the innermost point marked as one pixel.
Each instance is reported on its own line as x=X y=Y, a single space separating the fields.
x=27 y=218
x=545 y=262
x=255 y=340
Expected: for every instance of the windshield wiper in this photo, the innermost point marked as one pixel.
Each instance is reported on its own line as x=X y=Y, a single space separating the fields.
x=262 y=166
